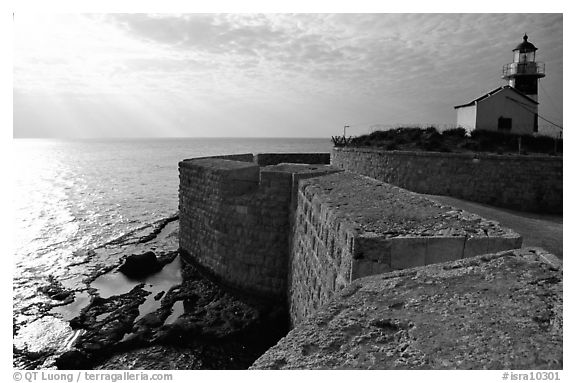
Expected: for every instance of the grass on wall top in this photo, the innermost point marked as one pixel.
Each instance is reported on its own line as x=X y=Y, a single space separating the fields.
x=456 y=141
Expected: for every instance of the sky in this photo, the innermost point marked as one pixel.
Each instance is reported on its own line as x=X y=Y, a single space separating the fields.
x=83 y=75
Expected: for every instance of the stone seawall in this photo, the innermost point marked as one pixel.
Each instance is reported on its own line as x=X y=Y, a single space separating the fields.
x=235 y=220
x=303 y=232
x=310 y=235
x=321 y=256
x=348 y=226
x=265 y=159
x=530 y=183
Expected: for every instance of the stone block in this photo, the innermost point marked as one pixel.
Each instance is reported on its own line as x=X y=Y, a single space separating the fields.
x=372 y=247
x=241 y=209
x=365 y=267
x=507 y=242
x=475 y=246
x=407 y=252
x=443 y=249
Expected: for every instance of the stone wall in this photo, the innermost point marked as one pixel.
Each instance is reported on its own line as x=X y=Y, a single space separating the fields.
x=498 y=311
x=264 y=159
x=235 y=220
x=321 y=256
x=531 y=183
x=348 y=226
x=309 y=235
x=303 y=232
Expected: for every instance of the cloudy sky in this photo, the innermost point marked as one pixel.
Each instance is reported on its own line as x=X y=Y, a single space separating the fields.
x=264 y=75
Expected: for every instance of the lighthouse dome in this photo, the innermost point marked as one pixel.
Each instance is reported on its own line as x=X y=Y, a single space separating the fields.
x=525 y=46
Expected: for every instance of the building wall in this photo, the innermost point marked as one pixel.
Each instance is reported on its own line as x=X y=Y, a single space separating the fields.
x=466 y=117
x=521 y=111
x=529 y=183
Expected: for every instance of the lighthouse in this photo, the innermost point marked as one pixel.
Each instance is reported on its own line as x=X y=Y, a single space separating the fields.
x=512 y=108
x=523 y=73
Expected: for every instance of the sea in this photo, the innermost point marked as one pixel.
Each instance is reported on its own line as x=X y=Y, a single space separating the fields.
x=70 y=195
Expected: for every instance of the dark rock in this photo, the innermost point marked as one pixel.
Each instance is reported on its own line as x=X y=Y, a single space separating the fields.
x=140 y=265
x=97 y=301
x=60 y=296
x=72 y=360
x=158 y=357
x=28 y=360
x=216 y=331
x=92 y=347
x=152 y=320
x=56 y=291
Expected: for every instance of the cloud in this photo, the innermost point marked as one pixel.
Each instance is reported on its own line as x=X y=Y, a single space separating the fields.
x=370 y=66
x=210 y=33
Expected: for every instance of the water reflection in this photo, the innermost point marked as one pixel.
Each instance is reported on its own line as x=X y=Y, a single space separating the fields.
x=177 y=311
x=72 y=310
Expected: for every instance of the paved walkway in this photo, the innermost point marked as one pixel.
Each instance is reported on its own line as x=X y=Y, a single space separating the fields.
x=536 y=229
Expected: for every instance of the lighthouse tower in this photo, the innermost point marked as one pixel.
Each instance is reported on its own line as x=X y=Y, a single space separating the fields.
x=512 y=108
x=524 y=72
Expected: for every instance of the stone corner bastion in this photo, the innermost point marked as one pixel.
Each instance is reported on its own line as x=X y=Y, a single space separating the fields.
x=235 y=216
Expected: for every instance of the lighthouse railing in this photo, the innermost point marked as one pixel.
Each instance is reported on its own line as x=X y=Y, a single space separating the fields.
x=527 y=68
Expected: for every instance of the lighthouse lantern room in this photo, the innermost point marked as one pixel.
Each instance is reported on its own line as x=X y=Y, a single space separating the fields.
x=523 y=73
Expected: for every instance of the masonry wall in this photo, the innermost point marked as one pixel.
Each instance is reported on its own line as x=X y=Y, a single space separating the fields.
x=264 y=159
x=299 y=233
x=529 y=183
x=321 y=256
x=496 y=311
x=235 y=220
x=349 y=226
x=224 y=232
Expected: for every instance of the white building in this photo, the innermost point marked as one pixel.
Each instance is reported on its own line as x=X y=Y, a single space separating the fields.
x=505 y=109
x=512 y=108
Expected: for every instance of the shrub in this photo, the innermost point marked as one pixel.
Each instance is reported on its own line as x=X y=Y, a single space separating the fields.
x=455 y=132
x=458 y=140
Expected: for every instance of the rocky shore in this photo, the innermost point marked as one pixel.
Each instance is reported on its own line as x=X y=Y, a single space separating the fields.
x=165 y=315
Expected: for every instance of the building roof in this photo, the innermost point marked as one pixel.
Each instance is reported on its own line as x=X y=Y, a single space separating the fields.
x=499 y=89
x=525 y=46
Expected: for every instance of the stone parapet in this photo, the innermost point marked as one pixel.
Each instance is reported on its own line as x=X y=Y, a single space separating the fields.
x=495 y=311
x=266 y=159
x=530 y=183
x=348 y=226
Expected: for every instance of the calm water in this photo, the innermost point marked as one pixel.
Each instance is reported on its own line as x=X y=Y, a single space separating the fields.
x=78 y=194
